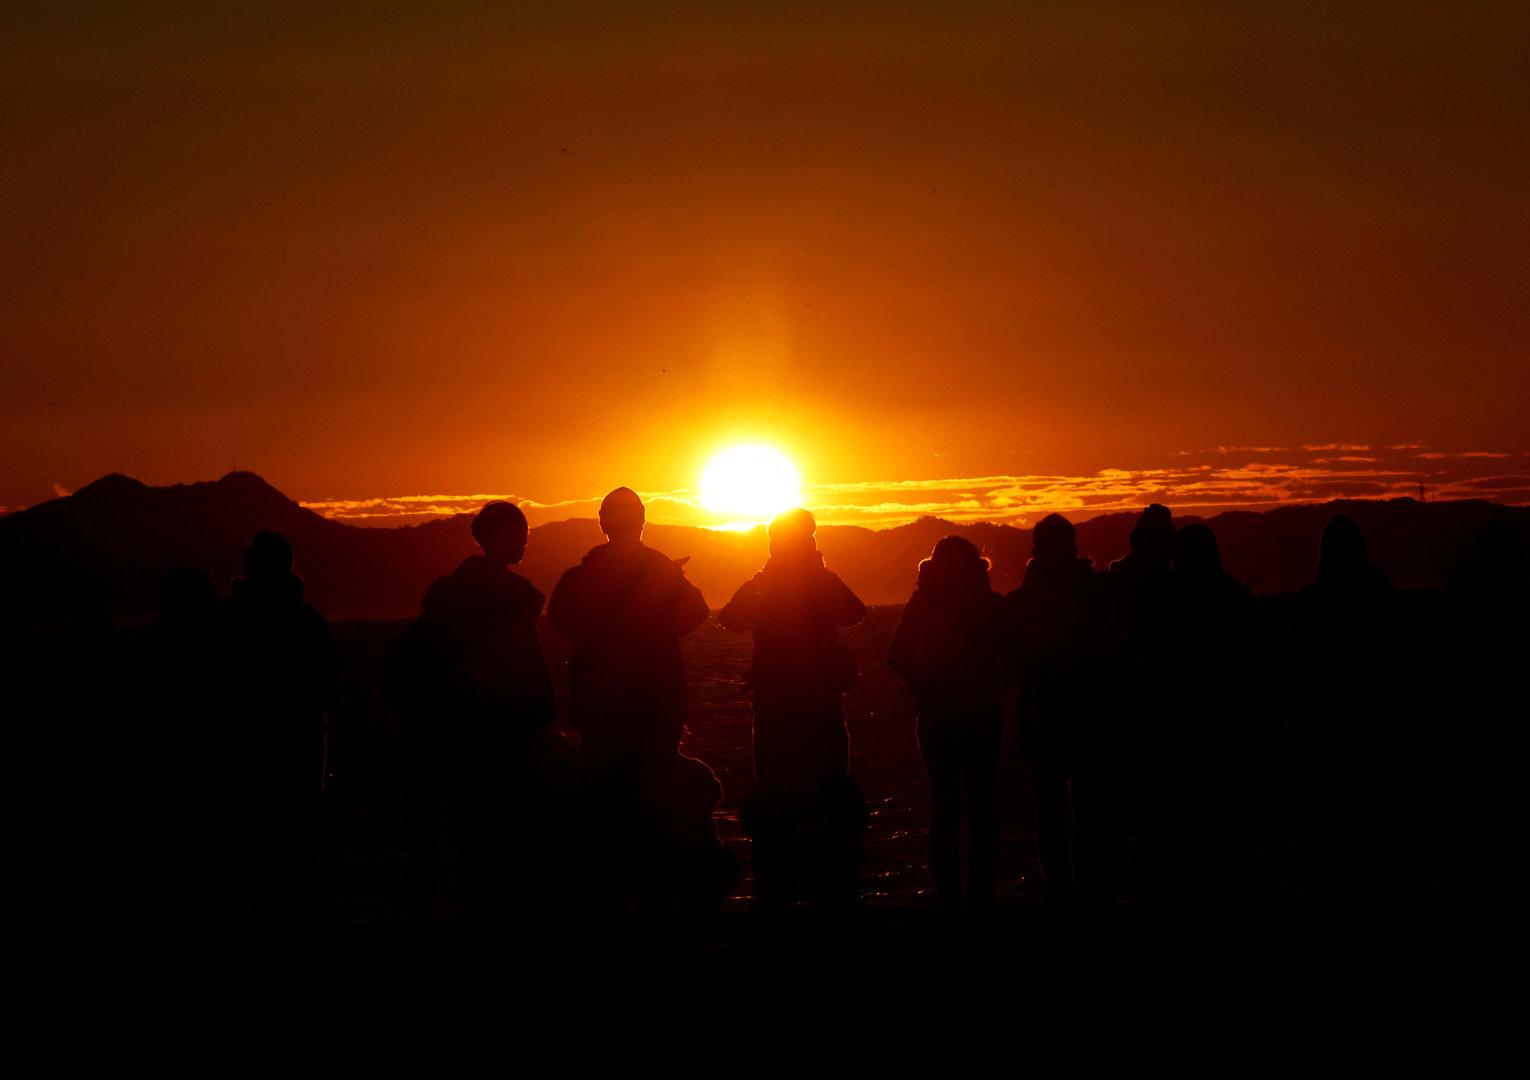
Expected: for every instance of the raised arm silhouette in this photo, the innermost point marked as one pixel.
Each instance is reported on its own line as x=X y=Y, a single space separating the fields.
x=804 y=814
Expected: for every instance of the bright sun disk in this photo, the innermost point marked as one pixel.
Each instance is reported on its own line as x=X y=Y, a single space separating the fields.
x=750 y=484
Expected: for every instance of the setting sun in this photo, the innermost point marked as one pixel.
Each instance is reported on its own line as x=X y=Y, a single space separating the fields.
x=750 y=484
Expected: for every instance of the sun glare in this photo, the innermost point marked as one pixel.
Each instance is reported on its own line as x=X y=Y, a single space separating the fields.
x=748 y=485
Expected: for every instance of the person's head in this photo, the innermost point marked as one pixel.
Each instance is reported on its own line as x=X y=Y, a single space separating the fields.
x=268 y=556
x=621 y=515
x=1152 y=537
x=791 y=533
x=1343 y=549
x=500 y=529
x=1196 y=551
x=1053 y=538
x=955 y=562
x=186 y=592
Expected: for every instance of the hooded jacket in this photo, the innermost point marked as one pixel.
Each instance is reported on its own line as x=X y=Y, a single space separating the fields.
x=1052 y=617
x=950 y=643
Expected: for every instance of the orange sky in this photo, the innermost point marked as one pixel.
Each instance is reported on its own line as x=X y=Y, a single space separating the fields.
x=379 y=253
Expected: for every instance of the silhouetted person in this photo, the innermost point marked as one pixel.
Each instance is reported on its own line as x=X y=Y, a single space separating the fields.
x=184 y=754
x=26 y=665
x=1494 y=575
x=80 y=791
x=626 y=606
x=1346 y=652
x=49 y=786
x=472 y=686
x=1052 y=616
x=805 y=814
x=282 y=670
x=1191 y=756
x=1136 y=635
x=950 y=648
x=1482 y=714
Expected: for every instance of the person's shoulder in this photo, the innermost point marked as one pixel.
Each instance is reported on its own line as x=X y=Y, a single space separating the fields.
x=311 y=616
x=837 y=583
x=916 y=609
x=654 y=559
x=830 y=577
x=436 y=593
x=522 y=583
x=571 y=577
x=751 y=586
x=588 y=564
x=523 y=592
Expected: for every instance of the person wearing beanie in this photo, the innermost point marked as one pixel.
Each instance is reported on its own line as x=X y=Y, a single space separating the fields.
x=625 y=607
x=804 y=814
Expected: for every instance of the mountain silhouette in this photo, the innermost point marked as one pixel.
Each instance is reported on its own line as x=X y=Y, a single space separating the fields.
x=112 y=541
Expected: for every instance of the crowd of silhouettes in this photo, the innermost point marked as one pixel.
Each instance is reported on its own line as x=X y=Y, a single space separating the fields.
x=1147 y=696
x=175 y=772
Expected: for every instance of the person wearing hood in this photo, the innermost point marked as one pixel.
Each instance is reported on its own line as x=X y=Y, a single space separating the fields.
x=949 y=648
x=1052 y=619
x=283 y=669
x=470 y=682
x=804 y=814
x=625 y=607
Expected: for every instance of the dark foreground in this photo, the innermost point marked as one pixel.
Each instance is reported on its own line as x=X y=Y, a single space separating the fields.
x=1267 y=910
x=1273 y=880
